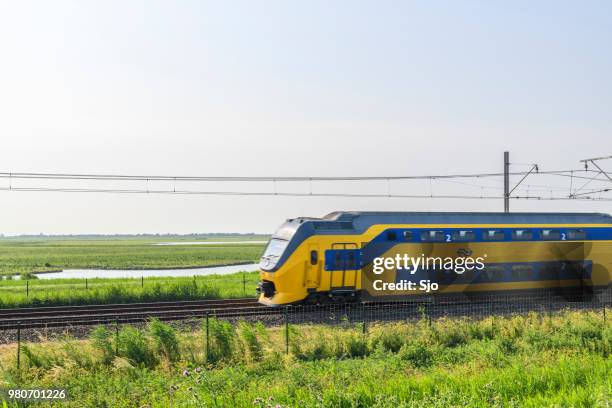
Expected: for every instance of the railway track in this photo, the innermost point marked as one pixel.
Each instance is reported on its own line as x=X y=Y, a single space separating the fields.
x=66 y=316
x=63 y=316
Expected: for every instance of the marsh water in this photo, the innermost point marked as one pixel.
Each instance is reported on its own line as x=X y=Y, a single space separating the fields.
x=138 y=273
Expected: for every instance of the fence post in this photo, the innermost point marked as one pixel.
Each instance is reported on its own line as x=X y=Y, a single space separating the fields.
x=364 y=327
x=207 y=337
x=604 y=312
x=244 y=283
x=18 y=345
x=142 y=281
x=116 y=337
x=27 y=288
x=286 y=330
x=86 y=285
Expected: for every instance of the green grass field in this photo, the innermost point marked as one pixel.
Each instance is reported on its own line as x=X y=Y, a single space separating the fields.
x=56 y=292
x=559 y=360
x=37 y=254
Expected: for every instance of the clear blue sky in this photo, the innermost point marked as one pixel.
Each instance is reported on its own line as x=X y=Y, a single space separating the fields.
x=291 y=88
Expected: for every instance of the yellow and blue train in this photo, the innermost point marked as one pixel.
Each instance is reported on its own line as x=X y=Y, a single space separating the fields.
x=330 y=259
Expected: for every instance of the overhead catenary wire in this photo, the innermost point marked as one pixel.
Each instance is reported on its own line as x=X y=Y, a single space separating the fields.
x=529 y=187
x=288 y=194
x=94 y=187
x=125 y=177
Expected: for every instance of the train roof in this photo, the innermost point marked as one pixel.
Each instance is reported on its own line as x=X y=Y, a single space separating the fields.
x=367 y=218
x=355 y=222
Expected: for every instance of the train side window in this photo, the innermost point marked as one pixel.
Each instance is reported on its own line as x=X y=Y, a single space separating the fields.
x=408 y=235
x=314 y=257
x=464 y=236
x=522 y=235
x=493 y=235
x=576 y=234
x=549 y=271
x=492 y=273
x=550 y=234
x=432 y=236
x=522 y=271
x=391 y=236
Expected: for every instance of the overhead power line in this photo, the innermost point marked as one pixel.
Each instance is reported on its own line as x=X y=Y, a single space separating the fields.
x=287 y=194
x=59 y=182
x=123 y=177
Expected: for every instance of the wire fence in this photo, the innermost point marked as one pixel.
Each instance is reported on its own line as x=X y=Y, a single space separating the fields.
x=434 y=308
x=360 y=316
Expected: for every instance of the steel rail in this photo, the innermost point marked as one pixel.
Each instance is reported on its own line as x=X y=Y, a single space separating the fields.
x=123 y=307
x=53 y=317
x=124 y=313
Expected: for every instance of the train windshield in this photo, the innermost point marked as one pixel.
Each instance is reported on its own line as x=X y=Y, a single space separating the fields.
x=273 y=252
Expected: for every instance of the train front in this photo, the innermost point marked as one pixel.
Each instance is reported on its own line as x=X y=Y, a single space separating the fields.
x=280 y=267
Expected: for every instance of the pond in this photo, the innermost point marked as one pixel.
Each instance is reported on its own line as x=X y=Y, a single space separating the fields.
x=137 y=273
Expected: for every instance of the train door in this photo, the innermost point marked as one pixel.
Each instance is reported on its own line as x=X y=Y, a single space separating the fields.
x=312 y=275
x=342 y=263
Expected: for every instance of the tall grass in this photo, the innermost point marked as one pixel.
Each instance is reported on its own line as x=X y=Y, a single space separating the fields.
x=251 y=345
x=165 y=340
x=525 y=361
x=221 y=336
x=102 y=342
x=105 y=291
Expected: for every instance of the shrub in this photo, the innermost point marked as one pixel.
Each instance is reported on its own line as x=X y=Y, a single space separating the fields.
x=514 y=327
x=249 y=339
x=261 y=330
x=133 y=345
x=356 y=346
x=33 y=359
x=101 y=340
x=452 y=334
x=221 y=337
x=315 y=348
x=388 y=340
x=417 y=354
x=319 y=351
x=507 y=345
x=482 y=330
x=164 y=337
